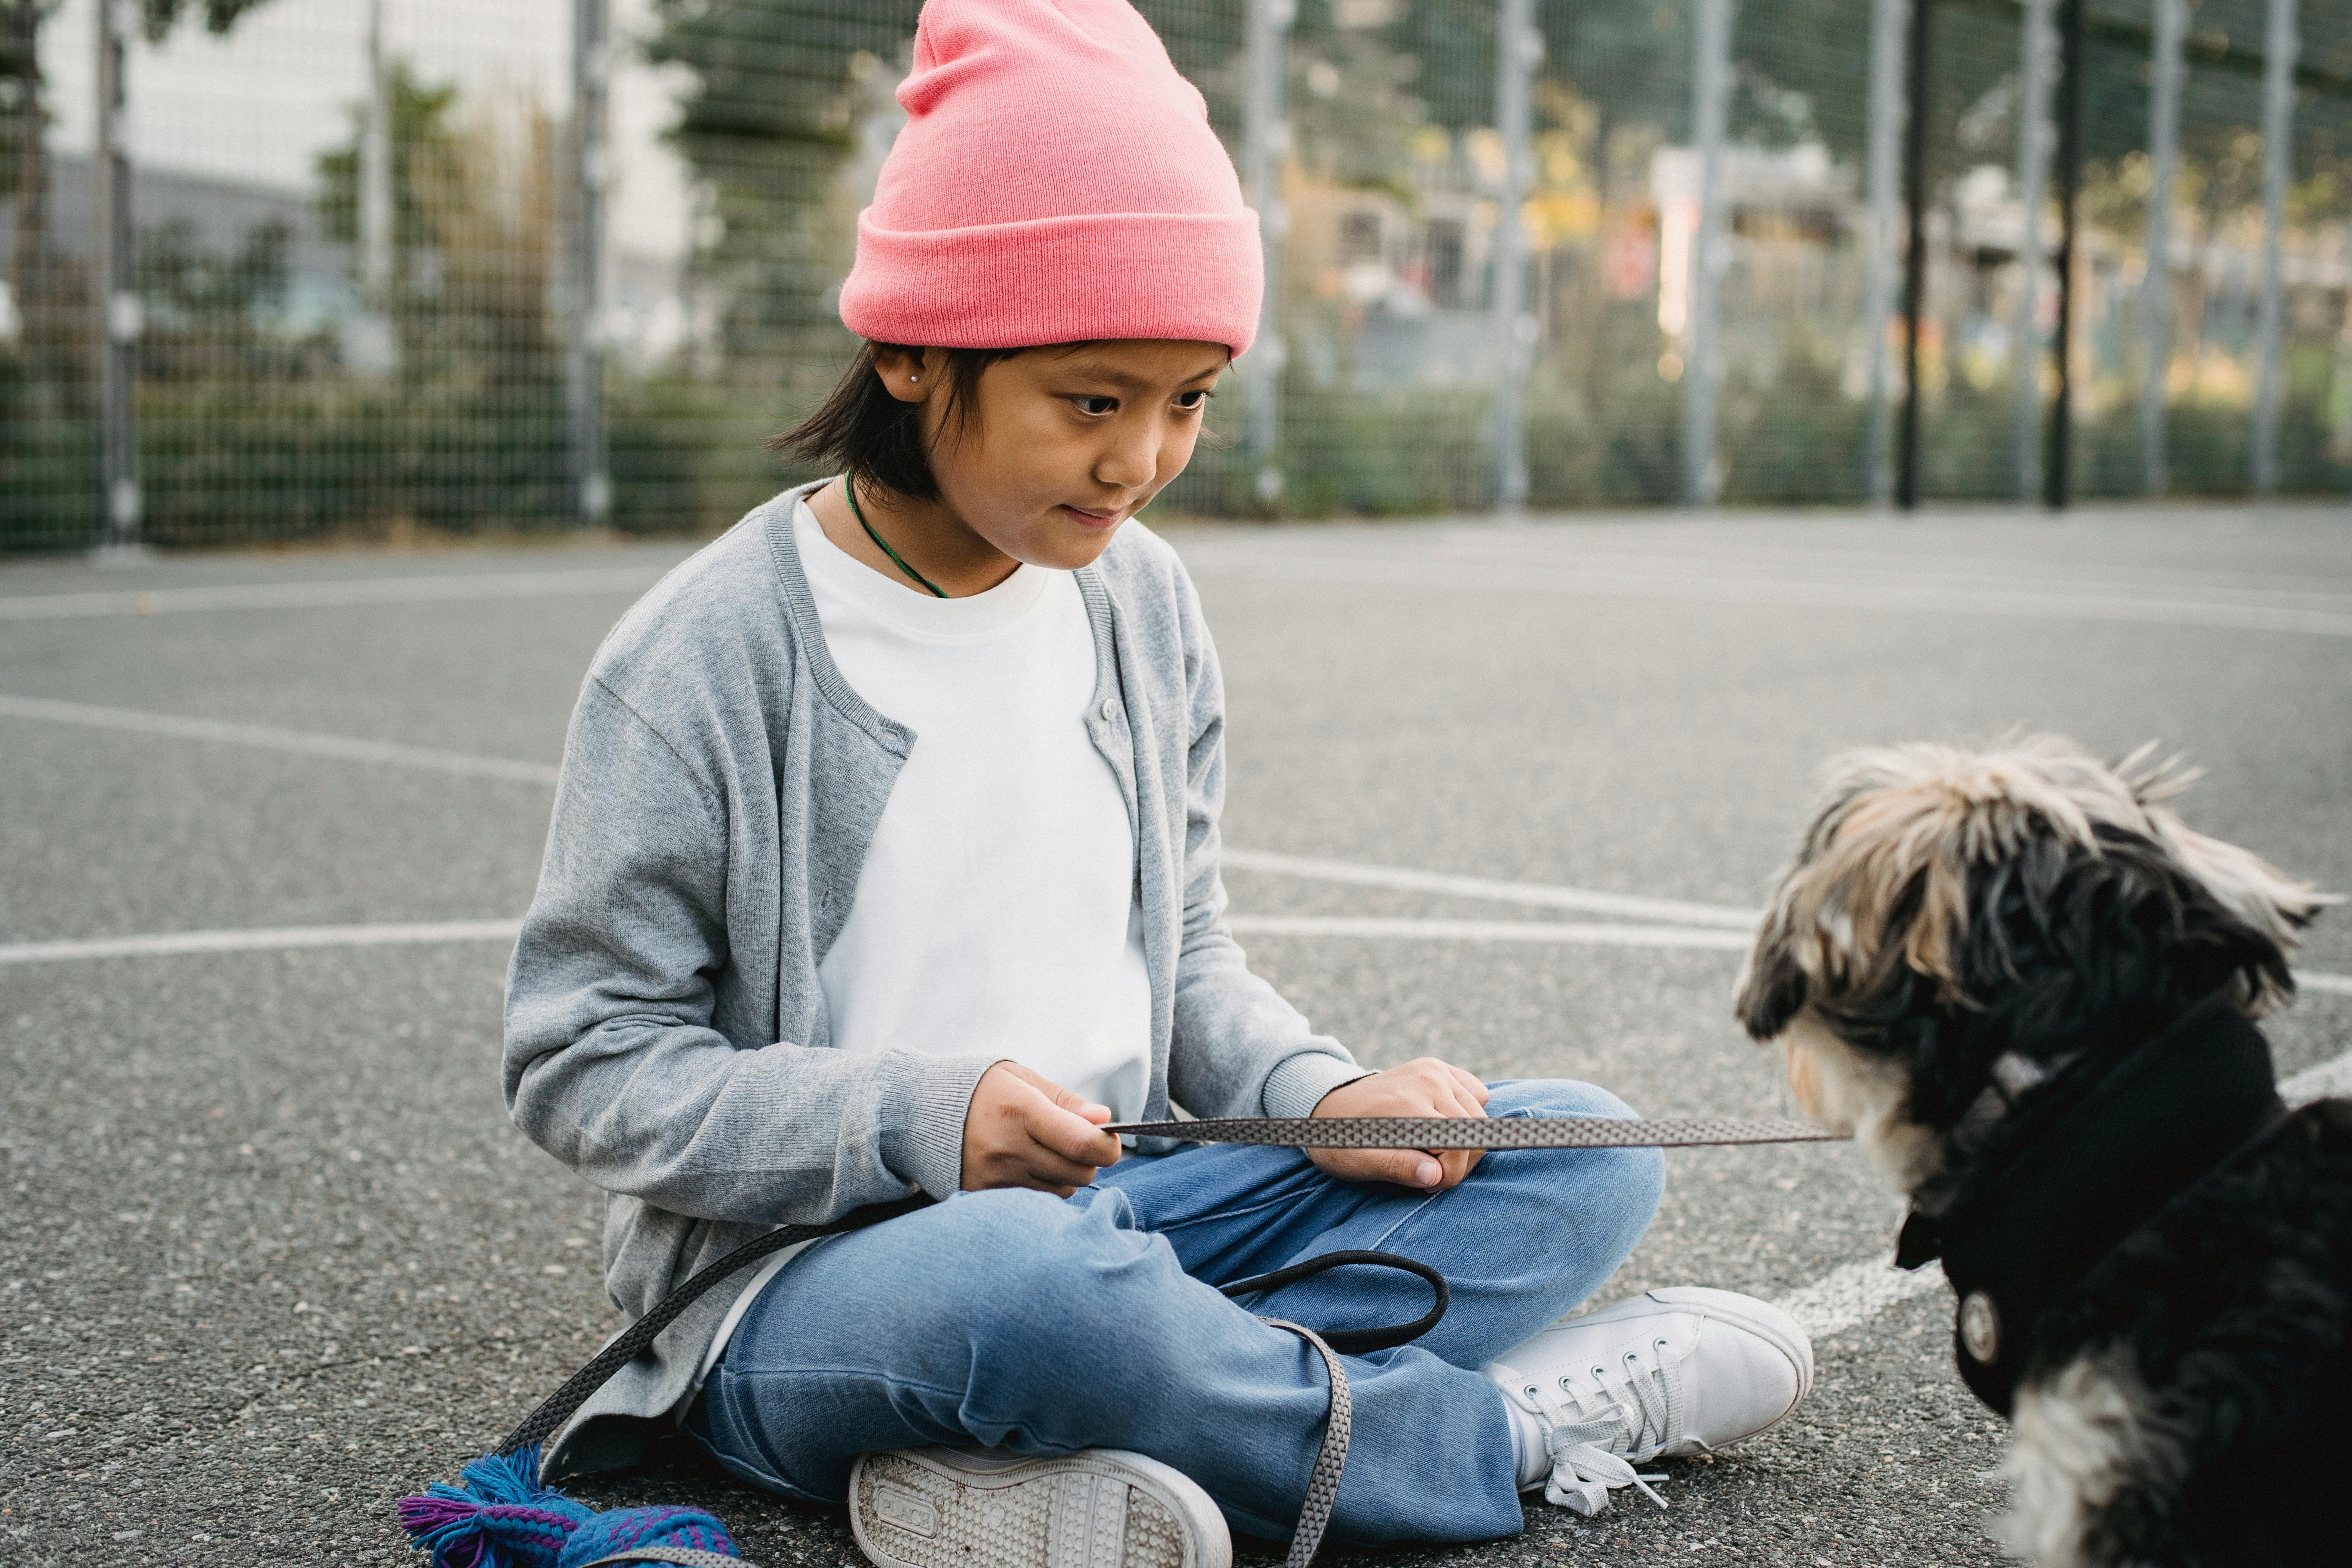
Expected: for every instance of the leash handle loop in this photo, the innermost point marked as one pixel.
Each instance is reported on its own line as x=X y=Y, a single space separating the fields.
x=1357 y=1342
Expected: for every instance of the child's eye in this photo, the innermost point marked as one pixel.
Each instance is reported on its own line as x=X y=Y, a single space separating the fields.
x=1096 y=404
x=1191 y=402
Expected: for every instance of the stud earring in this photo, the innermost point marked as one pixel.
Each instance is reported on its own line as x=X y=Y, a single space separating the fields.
x=913 y=379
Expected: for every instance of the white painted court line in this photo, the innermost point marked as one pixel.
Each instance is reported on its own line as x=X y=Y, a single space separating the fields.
x=174 y=942
x=272 y=939
x=305 y=743
x=1538 y=894
x=308 y=743
x=1574 y=934
x=333 y=592
x=1855 y=1293
x=1374 y=928
x=1892 y=594
x=2328 y=1079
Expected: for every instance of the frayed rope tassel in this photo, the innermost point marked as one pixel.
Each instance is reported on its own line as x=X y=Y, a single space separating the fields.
x=500 y=1516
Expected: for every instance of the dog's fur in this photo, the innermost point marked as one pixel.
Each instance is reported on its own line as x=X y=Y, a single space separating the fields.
x=2188 y=1402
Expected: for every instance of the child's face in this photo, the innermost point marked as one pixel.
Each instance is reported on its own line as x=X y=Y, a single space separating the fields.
x=1064 y=445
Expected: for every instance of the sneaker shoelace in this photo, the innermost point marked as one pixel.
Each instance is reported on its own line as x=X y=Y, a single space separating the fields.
x=1597 y=1429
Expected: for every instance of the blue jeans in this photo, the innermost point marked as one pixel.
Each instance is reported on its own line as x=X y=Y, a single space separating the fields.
x=1013 y=1318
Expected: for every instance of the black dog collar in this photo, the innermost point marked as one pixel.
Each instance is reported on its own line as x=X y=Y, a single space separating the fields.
x=2103 y=1160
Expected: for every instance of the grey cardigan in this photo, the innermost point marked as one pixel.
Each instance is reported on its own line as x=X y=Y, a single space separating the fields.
x=665 y=1036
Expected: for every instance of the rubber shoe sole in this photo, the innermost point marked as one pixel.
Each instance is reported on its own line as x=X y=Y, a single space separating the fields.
x=1100 y=1507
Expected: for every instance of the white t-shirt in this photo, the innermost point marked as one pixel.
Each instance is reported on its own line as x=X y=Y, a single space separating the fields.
x=996 y=909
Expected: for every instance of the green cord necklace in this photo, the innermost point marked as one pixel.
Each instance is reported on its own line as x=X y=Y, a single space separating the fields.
x=859 y=512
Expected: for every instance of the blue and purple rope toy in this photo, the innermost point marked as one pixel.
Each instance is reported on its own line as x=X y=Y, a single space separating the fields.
x=502 y=1516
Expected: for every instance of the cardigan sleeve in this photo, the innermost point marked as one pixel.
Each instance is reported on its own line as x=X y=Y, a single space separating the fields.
x=611 y=1063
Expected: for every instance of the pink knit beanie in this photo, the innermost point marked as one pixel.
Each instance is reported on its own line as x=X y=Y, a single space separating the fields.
x=1057 y=181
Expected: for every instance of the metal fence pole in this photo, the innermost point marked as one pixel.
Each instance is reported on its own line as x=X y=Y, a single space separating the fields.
x=1915 y=250
x=1265 y=143
x=1887 y=20
x=2278 y=149
x=2032 y=174
x=1518 y=48
x=2156 y=286
x=2074 y=60
x=116 y=293
x=583 y=359
x=376 y=172
x=1702 y=356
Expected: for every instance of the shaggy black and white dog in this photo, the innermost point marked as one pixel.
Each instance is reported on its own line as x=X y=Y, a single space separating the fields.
x=2028 y=991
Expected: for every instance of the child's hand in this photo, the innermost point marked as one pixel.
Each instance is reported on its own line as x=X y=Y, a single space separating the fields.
x=1427 y=1087
x=1024 y=1130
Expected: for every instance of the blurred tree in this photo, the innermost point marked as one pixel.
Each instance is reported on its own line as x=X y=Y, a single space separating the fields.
x=768 y=121
x=24 y=162
x=473 y=257
x=212 y=315
x=426 y=157
x=43 y=379
x=24 y=119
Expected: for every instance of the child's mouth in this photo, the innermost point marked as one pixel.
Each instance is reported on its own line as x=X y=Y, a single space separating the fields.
x=1086 y=518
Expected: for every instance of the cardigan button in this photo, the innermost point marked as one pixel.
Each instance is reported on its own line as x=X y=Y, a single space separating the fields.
x=1979 y=1328
x=1110 y=710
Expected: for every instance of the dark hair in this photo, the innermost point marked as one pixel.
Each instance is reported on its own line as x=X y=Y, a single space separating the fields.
x=875 y=438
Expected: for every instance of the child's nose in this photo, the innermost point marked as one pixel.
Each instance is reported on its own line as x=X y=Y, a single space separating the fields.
x=1131 y=462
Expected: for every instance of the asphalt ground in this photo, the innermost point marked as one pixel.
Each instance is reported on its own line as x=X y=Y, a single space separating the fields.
x=274 y=1257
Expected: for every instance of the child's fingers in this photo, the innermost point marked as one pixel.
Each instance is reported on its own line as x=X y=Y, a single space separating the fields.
x=1405 y=1167
x=1068 y=1099
x=1046 y=1169
x=1469 y=1083
x=1064 y=1132
x=1456 y=1164
x=1076 y=1106
x=1456 y=1098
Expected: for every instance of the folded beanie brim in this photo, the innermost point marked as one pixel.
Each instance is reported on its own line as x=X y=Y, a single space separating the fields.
x=1181 y=276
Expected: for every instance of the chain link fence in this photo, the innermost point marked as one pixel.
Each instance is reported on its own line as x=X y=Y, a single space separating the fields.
x=385 y=266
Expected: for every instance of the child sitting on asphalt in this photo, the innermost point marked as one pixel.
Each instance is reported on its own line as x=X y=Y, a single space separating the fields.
x=886 y=860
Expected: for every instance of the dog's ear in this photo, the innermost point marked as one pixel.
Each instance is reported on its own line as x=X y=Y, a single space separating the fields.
x=2209 y=915
x=1771 y=983
x=2071 y=943
x=2266 y=909
x=1871 y=902
x=1787 y=966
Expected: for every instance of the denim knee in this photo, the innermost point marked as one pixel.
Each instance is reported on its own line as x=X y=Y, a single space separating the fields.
x=1030 y=1263
x=1554 y=1097
x=1616 y=1188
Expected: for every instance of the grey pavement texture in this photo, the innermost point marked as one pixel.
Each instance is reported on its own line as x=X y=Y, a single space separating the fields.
x=274 y=1257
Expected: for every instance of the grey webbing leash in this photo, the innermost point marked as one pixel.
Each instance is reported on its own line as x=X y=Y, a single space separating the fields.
x=1428 y=1133
x=1431 y=1134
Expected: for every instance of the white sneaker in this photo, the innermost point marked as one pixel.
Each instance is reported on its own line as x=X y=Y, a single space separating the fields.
x=1663 y=1375
x=984 y=1508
